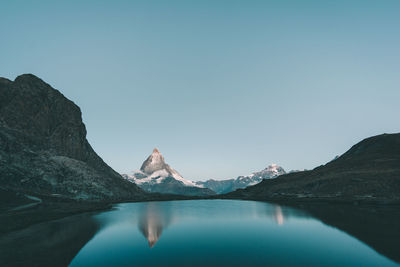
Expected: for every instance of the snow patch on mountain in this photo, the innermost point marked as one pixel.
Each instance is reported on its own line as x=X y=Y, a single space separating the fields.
x=225 y=186
x=154 y=170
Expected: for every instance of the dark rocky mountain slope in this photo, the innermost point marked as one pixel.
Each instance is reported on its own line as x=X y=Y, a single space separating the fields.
x=44 y=150
x=369 y=172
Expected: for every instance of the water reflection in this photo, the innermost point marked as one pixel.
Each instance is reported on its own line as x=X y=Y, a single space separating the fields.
x=155 y=217
x=222 y=231
x=53 y=243
x=152 y=221
x=376 y=226
x=279 y=218
x=277 y=213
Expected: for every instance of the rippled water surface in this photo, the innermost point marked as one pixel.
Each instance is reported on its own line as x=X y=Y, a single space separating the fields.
x=219 y=232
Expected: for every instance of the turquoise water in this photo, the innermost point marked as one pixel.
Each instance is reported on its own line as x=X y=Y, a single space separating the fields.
x=219 y=233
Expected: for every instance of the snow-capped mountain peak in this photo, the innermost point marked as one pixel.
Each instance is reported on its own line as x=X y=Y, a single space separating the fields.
x=154 y=170
x=274 y=169
x=225 y=186
x=154 y=162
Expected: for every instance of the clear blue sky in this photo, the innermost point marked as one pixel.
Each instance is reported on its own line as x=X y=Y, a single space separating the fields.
x=222 y=88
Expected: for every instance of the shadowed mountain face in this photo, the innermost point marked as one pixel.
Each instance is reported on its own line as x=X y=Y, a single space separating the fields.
x=369 y=171
x=44 y=150
x=155 y=162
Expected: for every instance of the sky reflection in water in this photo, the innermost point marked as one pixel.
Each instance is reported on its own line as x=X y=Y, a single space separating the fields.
x=219 y=232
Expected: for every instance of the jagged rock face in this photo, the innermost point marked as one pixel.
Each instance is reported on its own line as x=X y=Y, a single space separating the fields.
x=154 y=162
x=272 y=171
x=43 y=146
x=226 y=186
x=33 y=108
x=157 y=176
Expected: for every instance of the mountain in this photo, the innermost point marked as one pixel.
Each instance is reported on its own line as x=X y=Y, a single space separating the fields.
x=226 y=186
x=368 y=172
x=157 y=176
x=44 y=150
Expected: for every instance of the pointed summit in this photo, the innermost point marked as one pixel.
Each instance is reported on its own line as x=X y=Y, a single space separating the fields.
x=153 y=163
x=155 y=166
x=157 y=176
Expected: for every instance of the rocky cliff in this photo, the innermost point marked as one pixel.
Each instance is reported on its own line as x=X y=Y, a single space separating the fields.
x=44 y=150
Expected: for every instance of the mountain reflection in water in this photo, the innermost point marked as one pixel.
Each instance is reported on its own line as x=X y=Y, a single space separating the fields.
x=223 y=232
x=279 y=218
x=154 y=218
x=152 y=221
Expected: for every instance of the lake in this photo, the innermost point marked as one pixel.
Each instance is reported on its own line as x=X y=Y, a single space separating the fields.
x=208 y=233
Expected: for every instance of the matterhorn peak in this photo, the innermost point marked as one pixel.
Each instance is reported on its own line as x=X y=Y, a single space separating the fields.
x=154 y=162
x=154 y=170
x=157 y=176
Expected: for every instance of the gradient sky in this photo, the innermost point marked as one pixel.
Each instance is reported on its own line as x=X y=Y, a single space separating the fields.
x=222 y=88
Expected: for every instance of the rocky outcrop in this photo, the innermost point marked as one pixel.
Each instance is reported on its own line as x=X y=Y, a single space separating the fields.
x=44 y=150
x=368 y=172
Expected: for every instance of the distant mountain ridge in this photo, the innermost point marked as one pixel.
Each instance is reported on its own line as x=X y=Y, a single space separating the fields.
x=229 y=185
x=44 y=150
x=157 y=176
x=369 y=171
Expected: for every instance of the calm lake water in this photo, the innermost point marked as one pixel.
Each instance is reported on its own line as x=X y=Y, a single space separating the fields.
x=197 y=233
x=219 y=232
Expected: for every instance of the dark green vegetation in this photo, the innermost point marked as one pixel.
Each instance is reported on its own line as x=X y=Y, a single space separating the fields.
x=368 y=172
